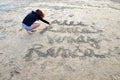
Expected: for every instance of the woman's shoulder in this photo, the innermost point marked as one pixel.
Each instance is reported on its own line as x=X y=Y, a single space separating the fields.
x=33 y=12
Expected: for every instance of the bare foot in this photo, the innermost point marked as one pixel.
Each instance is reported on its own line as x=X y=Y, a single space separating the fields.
x=33 y=30
x=29 y=32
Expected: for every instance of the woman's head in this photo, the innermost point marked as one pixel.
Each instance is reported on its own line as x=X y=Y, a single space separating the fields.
x=40 y=13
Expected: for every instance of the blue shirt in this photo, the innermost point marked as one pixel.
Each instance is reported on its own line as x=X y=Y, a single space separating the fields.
x=32 y=17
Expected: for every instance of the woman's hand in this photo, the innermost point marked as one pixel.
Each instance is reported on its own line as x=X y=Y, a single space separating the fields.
x=49 y=24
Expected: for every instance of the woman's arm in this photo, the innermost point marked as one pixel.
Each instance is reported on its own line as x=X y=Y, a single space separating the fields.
x=44 y=21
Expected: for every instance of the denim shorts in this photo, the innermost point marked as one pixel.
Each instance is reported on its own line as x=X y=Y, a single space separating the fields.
x=27 y=28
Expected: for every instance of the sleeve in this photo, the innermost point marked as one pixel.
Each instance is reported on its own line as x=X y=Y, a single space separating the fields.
x=44 y=21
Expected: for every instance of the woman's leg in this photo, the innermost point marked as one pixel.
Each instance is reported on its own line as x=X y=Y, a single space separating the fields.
x=34 y=26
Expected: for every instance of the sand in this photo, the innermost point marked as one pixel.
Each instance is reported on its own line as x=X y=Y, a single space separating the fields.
x=118 y=1
x=83 y=42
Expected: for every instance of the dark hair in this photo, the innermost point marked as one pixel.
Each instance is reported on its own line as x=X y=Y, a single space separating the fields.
x=40 y=13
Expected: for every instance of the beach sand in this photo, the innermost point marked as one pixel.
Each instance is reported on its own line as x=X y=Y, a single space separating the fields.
x=118 y=1
x=83 y=42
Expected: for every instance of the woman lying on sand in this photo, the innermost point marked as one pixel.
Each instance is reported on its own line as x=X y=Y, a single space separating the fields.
x=29 y=21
